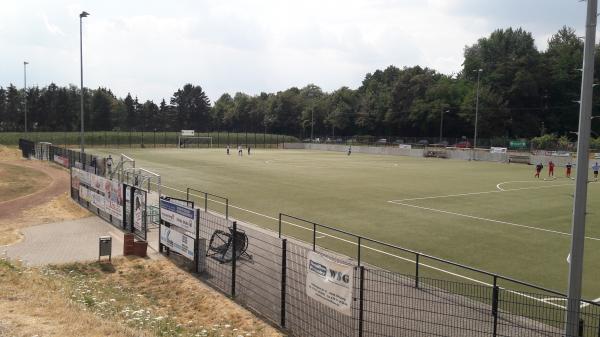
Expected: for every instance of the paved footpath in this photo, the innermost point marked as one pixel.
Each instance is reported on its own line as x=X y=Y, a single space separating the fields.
x=62 y=242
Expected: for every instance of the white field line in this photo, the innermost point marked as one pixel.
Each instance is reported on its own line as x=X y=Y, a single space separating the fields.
x=375 y=250
x=499 y=190
x=487 y=219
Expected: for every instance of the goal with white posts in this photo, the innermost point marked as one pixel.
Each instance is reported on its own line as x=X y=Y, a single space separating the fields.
x=188 y=139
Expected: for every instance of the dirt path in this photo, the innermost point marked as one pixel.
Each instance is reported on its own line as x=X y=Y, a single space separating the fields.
x=50 y=203
x=59 y=184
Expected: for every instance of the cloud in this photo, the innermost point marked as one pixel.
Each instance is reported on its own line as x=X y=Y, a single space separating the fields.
x=151 y=48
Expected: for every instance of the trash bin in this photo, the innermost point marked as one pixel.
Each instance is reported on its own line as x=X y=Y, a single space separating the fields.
x=105 y=247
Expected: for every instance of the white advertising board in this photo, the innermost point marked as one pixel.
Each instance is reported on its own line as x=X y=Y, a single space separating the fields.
x=177 y=242
x=178 y=215
x=498 y=150
x=330 y=283
x=84 y=193
x=139 y=206
x=405 y=146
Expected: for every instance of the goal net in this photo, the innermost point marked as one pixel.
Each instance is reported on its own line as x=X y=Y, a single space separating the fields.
x=194 y=142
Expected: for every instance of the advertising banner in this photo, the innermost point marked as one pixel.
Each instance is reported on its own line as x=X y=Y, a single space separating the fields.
x=330 y=283
x=178 y=215
x=405 y=146
x=139 y=209
x=498 y=150
x=177 y=242
x=75 y=178
x=64 y=161
x=84 y=193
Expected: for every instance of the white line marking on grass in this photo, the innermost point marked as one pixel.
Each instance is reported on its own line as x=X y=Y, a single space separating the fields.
x=379 y=251
x=487 y=219
x=484 y=192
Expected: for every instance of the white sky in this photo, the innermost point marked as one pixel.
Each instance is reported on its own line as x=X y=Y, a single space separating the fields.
x=152 y=48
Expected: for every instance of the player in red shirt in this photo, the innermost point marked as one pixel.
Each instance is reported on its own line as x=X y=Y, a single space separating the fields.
x=569 y=166
x=551 y=169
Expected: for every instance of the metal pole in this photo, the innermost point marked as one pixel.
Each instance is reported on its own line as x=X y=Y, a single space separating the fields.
x=361 y=295
x=579 y=202
x=312 y=123
x=233 y=258
x=283 y=280
x=441 y=125
x=25 y=91
x=81 y=16
x=476 y=110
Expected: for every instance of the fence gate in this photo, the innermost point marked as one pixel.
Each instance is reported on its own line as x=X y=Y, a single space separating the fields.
x=136 y=210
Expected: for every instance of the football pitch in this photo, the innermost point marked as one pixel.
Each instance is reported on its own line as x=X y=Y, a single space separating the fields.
x=492 y=216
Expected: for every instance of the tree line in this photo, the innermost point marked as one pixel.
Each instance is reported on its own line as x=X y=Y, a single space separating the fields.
x=523 y=92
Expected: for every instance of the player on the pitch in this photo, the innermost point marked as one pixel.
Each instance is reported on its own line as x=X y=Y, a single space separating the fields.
x=538 y=169
x=569 y=167
x=551 y=169
x=595 y=168
x=228 y=149
x=240 y=151
x=350 y=150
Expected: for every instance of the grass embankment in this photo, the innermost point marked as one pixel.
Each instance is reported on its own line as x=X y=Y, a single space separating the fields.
x=131 y=297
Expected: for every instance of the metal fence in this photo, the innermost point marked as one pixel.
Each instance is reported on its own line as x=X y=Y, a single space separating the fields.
x=151 y=139
x=271 y=281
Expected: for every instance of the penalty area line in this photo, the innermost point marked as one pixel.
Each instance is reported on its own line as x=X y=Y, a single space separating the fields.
x=487 y=219
x=499 y=190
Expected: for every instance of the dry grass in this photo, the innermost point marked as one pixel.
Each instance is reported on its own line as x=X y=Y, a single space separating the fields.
x=9 y=153
x=32 y=303
x=131 y=297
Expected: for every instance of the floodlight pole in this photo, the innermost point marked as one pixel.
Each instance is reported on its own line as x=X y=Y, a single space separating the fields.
x=25 y=63
x=81 y=16
x=442 y=124
x=312 y=122
x=580 y=199
x=476 y=109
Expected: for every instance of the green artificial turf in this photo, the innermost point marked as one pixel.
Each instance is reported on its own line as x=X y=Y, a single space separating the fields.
x=484 y=230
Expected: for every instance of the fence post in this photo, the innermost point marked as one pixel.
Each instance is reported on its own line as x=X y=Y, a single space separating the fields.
x=314 y=236
x=580 y=327
x=187 y=194
x=124 y=206
x=283 y=279
x=233 y=258
x=280 y=225
x=196 y=243
x=131 y=210
x=417 y=271
x=495 y=305
x=361 y=301
x=205 y=202
x=358 y=254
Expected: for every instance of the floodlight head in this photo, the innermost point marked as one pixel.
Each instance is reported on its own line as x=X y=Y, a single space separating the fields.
x=25 y=63
x=84 y=14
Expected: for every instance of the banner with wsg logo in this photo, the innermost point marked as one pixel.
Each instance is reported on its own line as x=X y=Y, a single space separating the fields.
x=329 y=282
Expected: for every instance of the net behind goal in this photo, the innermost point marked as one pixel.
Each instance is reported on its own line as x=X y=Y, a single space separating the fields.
x=195 y=142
